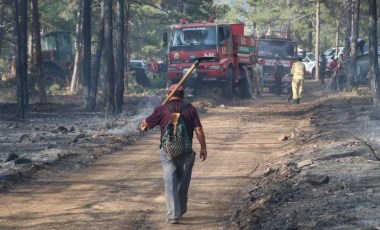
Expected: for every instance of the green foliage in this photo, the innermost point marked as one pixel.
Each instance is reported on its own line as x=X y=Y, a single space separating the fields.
x=57 y=15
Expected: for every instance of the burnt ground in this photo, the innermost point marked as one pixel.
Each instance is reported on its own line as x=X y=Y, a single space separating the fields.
x=330 y=180
x=272 y=165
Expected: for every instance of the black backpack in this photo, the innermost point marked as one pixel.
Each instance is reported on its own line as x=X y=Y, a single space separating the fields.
x=175 y=140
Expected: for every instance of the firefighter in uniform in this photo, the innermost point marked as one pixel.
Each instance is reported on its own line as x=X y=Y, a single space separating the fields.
x=298 y=72
x=256 y=74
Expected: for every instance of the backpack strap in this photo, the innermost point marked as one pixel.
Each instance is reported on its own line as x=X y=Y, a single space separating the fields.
x=183 y=105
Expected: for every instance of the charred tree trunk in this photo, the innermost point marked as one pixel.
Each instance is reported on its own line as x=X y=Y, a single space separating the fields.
x=18 y=54
x=180 y=6
x=317 y=35
x=24 y=50
x=109 y=65
x=91 y=101
x=354 y=39
x=78 y=49
x=337 y=37
x=86 y=48
x=310 y=35
x=373 y=52
x=1 y=26
x=120 y=58
x=347 y=42
x=126 y=46
x=37 y=45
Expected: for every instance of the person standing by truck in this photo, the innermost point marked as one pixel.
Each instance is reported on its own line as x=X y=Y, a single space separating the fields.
x=298 y=72
x=278 y=74
x=256 y=72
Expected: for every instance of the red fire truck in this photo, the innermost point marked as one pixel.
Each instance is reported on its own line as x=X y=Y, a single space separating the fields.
x=276 y=43
x=232 y=51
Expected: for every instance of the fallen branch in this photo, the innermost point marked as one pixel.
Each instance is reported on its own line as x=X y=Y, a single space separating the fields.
x=369 y=146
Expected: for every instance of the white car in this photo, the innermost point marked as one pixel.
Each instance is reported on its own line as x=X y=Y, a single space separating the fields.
x=309 y=62
x=330 y=53
x=138 y=64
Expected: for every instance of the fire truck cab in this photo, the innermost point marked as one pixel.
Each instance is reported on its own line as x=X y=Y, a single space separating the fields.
x=276 y=46
x=232 y=52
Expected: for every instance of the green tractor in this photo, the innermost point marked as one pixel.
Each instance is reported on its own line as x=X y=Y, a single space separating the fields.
x=57 y=57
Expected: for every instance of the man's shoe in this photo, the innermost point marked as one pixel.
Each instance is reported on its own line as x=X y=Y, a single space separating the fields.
x=298 y=100
x=173 y=221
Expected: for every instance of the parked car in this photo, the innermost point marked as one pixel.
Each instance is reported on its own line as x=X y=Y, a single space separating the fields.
x=139 y=64
x=309 y=62
x=330 y=53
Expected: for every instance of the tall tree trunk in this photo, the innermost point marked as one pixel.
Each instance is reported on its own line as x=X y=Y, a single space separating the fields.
x=1 y=27
x=37 y=45
x=317 y=35
x=120 y=58
x=337 y=37
x=126 y=47
x=354 y=39
x=310 y=35
x=78 y=48
x=109 y=65
x=375 y=78
x=24 y=50
x=20 y=95
x=348 y=29
x=91 y=101
x=86 y=47
x=180 y=6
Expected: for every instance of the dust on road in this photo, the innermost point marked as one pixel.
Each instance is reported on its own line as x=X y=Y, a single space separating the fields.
x=124 y=190
x=251 y=180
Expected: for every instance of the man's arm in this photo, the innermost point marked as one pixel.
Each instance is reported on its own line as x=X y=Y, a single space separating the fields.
x=202 y=141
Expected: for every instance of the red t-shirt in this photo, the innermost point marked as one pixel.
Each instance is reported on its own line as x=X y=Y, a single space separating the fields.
x=161 y=116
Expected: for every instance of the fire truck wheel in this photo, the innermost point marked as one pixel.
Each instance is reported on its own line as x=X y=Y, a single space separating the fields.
x=228 y=85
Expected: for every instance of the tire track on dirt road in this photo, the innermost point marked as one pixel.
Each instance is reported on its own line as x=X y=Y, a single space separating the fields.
x=125 y=190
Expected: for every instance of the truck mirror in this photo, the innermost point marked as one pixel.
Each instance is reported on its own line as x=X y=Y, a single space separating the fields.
x=165 y=39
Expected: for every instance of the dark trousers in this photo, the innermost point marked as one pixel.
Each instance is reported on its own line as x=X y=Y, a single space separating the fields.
x=341 y=82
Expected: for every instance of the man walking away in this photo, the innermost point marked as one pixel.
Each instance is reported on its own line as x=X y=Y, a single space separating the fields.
x=298 y=72
x=177 y=171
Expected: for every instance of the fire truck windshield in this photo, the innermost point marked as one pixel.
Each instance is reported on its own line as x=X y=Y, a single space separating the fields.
x=193 y=38
x=270 y=48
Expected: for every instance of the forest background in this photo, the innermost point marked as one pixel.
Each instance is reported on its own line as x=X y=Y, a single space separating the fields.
x=126 y=30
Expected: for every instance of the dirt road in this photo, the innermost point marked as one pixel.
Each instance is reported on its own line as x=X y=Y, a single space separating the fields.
x=124 y=190
x=323 y=158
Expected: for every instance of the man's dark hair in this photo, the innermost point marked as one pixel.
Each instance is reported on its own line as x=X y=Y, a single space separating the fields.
x=179 y=93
